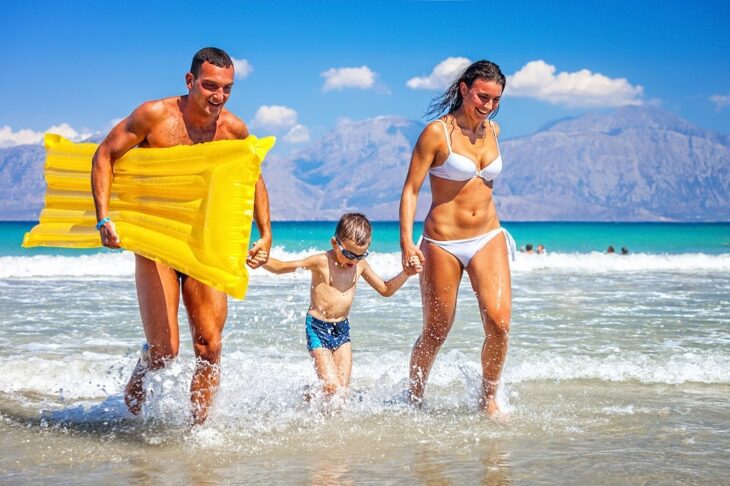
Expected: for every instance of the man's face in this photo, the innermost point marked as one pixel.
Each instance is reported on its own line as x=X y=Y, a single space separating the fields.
x=211 y=89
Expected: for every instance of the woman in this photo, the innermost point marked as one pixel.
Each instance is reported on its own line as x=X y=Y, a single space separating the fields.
x=460 y=153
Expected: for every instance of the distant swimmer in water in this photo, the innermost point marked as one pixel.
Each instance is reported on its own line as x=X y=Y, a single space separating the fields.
x=541 y=250
x=624 y=250
x=334 y=279
x=528 y=248
x=610 y=250
x=460 y=155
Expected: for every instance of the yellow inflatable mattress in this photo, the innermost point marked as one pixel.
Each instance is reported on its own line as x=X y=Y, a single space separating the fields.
x=189 y=206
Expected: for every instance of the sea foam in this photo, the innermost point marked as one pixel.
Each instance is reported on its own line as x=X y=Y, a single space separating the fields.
x=121 y=265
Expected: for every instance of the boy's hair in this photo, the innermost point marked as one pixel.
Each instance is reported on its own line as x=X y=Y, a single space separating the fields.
x=213 y=55
x=354 y=227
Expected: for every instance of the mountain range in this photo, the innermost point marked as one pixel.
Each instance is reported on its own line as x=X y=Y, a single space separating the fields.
x=634 y=164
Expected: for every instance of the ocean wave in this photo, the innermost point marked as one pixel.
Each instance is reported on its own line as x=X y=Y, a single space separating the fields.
x=104 y=265
x=89 y=375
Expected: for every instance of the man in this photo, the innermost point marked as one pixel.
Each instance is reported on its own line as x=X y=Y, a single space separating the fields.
x=194 y=118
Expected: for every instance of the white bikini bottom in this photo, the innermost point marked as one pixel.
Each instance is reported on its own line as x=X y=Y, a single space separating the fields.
x=465 y=250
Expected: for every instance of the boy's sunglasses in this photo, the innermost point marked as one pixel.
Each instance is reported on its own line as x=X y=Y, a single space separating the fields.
x=350 y=255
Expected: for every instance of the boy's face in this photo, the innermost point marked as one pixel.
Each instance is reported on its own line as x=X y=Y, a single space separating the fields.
x=347 y=252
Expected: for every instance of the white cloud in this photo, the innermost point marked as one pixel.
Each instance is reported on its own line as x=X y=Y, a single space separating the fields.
x=24 y=136
x=242 y=67
x=348 y=77
x=274 y=117
x=538 y=79
x=280 y=119
x=442 y=75
x=297 y=134
x=721 y=101
x=9 y=138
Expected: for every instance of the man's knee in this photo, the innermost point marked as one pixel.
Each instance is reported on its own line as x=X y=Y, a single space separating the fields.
x=208 y=347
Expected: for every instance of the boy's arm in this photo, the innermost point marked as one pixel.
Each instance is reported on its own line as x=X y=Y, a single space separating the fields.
x=386 y=289
x=278 y=266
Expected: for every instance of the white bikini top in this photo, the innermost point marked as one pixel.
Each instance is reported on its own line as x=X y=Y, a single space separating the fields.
x=458 y=167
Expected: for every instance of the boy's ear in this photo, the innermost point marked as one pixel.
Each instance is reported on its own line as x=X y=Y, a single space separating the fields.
x=333 y=242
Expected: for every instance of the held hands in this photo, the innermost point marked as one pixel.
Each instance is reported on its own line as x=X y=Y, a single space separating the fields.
x=259 y=253
x=413 y=267
x=412 y=259
x=109 y=236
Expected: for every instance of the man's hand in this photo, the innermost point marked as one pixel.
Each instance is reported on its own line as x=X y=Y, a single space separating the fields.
x=259 y=253
x=109 y=236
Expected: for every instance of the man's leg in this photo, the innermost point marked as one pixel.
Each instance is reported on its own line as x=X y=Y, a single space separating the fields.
x=158 y=294
x=207 y=310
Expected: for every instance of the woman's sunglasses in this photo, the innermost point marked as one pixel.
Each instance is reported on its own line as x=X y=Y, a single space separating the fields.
x=350 y=255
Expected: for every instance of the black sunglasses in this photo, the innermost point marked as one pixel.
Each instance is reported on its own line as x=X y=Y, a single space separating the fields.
x=350 y=255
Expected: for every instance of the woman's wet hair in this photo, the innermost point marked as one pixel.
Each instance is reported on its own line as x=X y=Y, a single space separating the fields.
x=451 y=100
x=354 y=227
x=213 y=55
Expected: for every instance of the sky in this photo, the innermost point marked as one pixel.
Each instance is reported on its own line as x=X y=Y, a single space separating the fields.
x=302 y=68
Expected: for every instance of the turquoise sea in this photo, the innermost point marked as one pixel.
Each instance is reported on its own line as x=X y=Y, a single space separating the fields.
x=653 y=238
x=618 y=371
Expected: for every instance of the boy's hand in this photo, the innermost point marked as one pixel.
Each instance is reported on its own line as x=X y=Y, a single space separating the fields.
x=259 y=253
x=414 y=266
x=412 y=257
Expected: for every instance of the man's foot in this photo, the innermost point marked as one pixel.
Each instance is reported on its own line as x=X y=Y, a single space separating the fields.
x=134 y=393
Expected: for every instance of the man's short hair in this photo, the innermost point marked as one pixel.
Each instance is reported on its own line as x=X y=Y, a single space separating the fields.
x=354 y=227
x=213 y=55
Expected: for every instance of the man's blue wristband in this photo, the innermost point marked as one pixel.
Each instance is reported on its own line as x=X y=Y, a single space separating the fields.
x=102 y=223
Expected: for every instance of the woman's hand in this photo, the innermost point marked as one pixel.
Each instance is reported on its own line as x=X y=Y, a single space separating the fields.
x=411 y=258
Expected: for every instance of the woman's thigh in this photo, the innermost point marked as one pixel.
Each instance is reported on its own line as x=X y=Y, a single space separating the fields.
x=440 y=279
x=489 y=273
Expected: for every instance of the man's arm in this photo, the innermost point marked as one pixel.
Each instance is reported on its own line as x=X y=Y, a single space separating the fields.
x=259 y=252
x=125 y=135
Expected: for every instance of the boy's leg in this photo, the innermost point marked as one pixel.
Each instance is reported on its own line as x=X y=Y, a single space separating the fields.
x=324 y=365
x=343 y=362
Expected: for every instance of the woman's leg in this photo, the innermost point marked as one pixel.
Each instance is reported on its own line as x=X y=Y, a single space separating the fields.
x=490 y=278
x=440 y=280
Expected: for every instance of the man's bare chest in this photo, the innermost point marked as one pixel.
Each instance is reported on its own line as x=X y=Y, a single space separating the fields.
x=174 y=131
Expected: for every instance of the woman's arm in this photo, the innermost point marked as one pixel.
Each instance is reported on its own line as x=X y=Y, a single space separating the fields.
x=423 y=156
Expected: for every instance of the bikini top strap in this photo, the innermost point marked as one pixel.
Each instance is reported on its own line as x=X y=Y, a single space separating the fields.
x=446 y=134
x=494 y=131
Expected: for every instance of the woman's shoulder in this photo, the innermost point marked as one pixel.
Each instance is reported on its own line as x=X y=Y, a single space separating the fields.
x=433 y=132
x=495 y=125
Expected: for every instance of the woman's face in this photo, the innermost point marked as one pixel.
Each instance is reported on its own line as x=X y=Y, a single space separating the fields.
x=481 y=99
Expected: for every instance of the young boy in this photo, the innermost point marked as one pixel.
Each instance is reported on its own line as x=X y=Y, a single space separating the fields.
x=334 y=278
